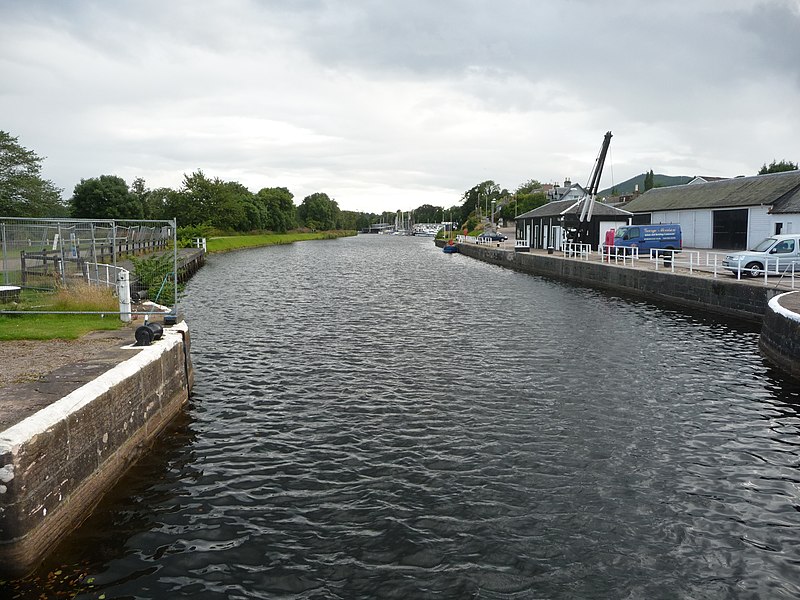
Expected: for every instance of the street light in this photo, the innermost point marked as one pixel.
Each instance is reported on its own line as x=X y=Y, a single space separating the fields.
x=493 y=202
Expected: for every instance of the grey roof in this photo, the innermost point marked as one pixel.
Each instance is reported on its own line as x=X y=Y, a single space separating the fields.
x=569 y=207
x=774 y=189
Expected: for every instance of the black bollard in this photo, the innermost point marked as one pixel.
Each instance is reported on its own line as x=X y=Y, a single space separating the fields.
x=148 y=333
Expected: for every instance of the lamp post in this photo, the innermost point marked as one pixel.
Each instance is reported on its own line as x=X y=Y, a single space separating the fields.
x=493 y=203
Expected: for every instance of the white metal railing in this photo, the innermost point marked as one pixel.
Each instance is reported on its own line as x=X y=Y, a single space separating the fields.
x=472 y=239
x=623 y=254
x=116 y=277
x=775 y=266
x=714 y=260
x=102 y=274
x=576 y=250
x=200 y=243
x=689 y=259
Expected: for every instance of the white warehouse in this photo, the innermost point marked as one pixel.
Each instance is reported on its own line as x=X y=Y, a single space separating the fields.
x=730 y=214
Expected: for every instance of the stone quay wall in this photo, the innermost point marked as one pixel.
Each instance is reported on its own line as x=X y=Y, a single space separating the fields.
x=780 y=336
x=56 y=465
x=724 y=296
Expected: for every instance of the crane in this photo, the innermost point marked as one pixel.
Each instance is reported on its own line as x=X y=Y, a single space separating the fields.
x=594 y=180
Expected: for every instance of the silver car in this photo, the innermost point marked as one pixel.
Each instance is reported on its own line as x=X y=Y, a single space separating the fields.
x=776 y=254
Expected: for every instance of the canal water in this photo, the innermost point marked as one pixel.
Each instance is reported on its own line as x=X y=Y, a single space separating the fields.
x=373 y=418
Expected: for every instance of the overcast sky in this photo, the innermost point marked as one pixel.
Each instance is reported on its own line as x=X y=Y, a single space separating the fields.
x=390 y=104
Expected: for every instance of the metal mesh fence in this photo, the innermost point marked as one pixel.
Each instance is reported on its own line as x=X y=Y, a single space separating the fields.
x=47 y=254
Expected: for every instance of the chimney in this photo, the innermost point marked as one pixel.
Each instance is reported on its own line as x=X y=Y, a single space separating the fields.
x=567 y=182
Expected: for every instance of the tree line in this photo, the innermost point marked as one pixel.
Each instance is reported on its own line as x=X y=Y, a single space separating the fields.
x=211 y=203
x=199 y=202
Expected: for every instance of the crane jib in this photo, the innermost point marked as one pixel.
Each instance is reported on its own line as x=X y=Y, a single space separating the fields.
x=594 y=180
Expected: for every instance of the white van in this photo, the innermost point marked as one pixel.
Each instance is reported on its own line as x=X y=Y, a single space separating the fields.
x=776 y=253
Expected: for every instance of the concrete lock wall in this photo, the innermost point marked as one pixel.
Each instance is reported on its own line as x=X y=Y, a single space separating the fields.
x=780 y=337
x=57 y=464
x=723 y=296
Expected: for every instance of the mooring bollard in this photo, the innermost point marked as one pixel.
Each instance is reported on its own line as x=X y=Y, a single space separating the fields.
x=148 y=333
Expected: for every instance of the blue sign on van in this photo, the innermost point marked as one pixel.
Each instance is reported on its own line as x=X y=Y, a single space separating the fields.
x=645 y=237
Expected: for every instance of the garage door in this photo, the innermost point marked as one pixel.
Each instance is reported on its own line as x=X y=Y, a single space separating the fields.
x=730 y=229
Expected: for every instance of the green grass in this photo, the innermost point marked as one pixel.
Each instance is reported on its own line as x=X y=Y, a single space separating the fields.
x=59 y=326
x=236 y=242
x=49 y=327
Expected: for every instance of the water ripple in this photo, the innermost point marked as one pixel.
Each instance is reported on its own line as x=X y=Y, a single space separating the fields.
x=374 y=419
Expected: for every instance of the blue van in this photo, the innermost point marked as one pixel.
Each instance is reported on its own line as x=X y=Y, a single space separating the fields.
x=645 y=237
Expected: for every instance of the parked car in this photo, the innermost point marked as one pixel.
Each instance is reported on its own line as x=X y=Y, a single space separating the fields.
x=492 y=236
x=776 y=253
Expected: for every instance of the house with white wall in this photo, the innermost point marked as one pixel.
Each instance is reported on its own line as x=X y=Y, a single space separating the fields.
x=730 y=214
x=569 y=191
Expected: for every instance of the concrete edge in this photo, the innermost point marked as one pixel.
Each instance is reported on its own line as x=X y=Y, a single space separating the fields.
x=46 y=491
x=38 y=423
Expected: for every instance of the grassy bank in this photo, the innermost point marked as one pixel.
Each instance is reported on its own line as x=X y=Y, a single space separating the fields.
x=81 y=298
x=237 y=242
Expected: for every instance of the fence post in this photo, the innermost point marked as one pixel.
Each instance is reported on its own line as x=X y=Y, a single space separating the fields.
x=5 y=257
x=175 y=266
x=124 y=295
x=114 y=243
x=61 y=267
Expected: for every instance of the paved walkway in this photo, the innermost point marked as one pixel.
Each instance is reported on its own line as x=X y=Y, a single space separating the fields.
x=81 y=362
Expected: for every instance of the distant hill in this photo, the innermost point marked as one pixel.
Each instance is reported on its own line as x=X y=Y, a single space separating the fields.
x=628 y=187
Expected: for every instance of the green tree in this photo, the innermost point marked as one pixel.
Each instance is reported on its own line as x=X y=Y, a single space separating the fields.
x=158 y=202
x=142 y=193
x=649 y=180
x=428 y=213
x=523 y=202
x=23 y=191
x=318 y=211
x=232 y=207
x=530 y=186
x=279 y=205
x=105 y=197
x=778 y=167
x=350 y=220
x=193 y=202
x=479 y=199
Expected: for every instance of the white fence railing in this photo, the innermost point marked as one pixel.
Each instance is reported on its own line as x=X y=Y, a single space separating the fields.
x=688 y=259
x=778 y=267
x=472 y=239
x=617 y=254
x=576 y=250
x=103 y=274
x=786 y=269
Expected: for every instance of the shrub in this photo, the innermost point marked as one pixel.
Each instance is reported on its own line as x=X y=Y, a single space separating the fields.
x=155 y=275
